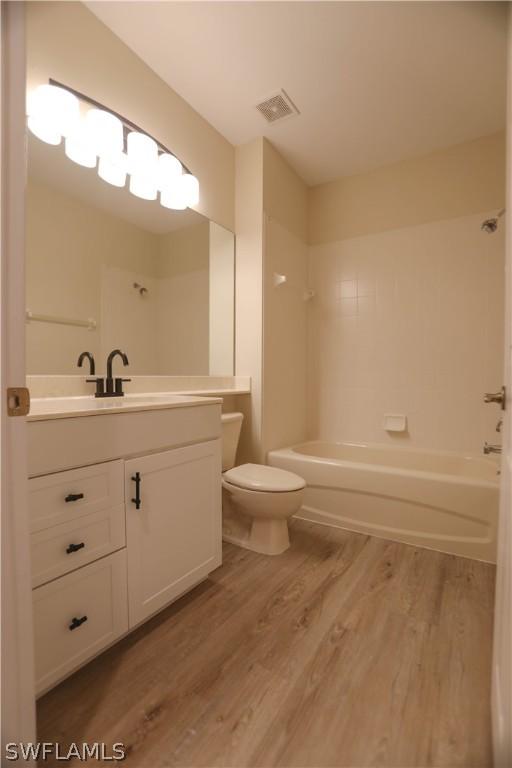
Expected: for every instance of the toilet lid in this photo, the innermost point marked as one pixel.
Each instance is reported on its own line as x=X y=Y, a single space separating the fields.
x=258 y=477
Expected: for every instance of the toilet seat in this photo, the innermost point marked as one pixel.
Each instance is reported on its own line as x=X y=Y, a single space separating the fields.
x=259 y=477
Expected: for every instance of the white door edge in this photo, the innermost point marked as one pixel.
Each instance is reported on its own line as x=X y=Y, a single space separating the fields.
x=502 y=654
x=18 y=693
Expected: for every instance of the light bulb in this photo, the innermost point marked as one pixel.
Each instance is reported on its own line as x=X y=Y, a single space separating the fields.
x=105 y=131
x=52 y=112
x=183 y=193
x=113 y=169
x=142 y=153
x=79 y=148
x=44 y=130
x=173 y=197
x=143 y=185
x=190 y=189
x=169 y=170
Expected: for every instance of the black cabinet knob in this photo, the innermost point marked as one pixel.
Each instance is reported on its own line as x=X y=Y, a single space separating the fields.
x=77 y=622
x=75 y=547
x=73 y=497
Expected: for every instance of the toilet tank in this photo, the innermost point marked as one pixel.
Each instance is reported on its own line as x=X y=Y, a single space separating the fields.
x=231 y=426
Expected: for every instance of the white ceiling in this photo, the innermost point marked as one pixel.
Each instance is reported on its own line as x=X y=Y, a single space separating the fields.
x=375 y=82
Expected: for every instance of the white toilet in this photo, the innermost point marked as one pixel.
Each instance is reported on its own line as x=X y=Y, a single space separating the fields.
x=256 y=500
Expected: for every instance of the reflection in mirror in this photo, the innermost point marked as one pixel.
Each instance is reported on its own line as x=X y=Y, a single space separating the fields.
x=108 y=270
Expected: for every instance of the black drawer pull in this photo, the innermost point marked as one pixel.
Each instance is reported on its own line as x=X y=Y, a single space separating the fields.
x=75 y=547
x=73 y=497
x=77 y=622
x=136 y=480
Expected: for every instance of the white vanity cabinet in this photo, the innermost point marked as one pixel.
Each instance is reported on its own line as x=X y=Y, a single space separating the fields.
x=173 y=537
x=114 y=542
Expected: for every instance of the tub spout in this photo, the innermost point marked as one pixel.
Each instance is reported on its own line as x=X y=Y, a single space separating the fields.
x=488 y=448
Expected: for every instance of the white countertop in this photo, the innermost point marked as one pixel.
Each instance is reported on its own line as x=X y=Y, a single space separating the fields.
x=45 y=408
x=65 y=386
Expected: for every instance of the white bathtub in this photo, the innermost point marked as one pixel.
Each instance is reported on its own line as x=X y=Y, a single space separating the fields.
x=441 y=501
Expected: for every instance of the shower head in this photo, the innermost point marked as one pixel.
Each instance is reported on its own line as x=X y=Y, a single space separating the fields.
x=491 y=225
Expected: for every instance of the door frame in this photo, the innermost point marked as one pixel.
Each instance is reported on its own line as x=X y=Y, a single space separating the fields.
x=17 y=654
x=502 y=654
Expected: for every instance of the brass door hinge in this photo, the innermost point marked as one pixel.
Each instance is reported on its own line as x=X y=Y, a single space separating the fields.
x=18 y=401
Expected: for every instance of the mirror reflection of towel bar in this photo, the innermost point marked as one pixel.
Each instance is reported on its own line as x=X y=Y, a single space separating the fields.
x=90 y=323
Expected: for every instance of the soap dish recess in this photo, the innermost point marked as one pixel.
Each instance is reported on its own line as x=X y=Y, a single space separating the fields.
x=395 y=422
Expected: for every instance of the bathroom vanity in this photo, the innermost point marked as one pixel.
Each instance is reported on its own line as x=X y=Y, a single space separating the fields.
x=125 y=491
x=125 y=516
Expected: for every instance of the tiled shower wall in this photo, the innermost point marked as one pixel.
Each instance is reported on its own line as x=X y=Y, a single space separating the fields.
x=407 y=321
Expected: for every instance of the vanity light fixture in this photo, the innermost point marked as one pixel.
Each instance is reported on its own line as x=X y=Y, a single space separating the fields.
x=142 y=153
x=105 y=131
x=52 y=113
x=101 y=137
x=169 y=170
x=113 y=169
x=79 y=148
x=143 y=185
x=172 y=198
x=183 y=193
x=143 y=165
x=189 y=189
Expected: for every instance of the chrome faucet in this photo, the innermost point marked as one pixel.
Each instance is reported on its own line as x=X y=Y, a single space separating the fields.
x=488 y=448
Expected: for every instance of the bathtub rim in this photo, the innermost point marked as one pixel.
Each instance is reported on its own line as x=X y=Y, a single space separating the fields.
x=386 y=469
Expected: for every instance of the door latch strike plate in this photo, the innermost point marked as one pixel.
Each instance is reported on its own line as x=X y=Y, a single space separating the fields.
x=18 y=401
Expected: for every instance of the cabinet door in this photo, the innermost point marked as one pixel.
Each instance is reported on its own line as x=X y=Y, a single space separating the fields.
x=174 y=539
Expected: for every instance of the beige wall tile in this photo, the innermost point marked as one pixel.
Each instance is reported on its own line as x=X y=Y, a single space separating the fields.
x=414 y=326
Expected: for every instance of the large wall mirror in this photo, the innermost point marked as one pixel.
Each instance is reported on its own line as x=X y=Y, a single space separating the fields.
x=106 y=270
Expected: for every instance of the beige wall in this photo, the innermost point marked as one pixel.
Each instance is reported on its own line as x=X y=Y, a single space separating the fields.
x=285 y=311
x=183 y=308
x=68 y=247
x=467 y=178
x=408 y=312
x=285 y=195
x=222 y=300
x=65 y=41
x=129 y=320
x=271 y=218
x=249 y=292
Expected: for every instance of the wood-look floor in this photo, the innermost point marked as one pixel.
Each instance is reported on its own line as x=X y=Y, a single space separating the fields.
x=344 y=651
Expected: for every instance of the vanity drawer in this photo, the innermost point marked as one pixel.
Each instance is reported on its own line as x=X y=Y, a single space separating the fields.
x=98 y=592
x=65 y=547
x=65 y=496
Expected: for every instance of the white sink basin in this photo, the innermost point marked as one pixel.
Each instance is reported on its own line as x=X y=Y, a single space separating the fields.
x=69 y=407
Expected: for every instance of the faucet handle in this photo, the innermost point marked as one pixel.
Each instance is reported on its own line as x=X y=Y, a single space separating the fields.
x=119 y=386
x=100 y=386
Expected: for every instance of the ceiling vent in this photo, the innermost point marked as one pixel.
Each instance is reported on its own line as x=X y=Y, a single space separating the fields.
x=277 y=107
